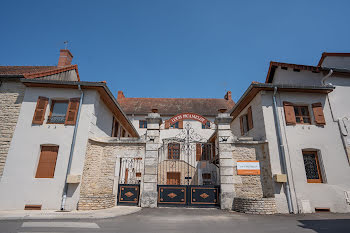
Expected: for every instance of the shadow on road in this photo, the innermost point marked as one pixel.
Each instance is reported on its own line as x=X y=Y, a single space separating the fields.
x=327 y=225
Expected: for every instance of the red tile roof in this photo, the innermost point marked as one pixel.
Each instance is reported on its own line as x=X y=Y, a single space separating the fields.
x=173 y=106
x=20 y=70
x=51 y=72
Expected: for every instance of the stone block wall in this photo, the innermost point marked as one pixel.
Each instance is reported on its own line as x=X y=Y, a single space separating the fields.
x=98 y=186
x=253 y=186
x=11 y=98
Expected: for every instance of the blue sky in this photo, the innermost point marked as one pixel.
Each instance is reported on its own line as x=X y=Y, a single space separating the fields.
x=182 y=48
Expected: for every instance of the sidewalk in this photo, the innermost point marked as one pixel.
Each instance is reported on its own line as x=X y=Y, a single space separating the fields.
x=54 y=214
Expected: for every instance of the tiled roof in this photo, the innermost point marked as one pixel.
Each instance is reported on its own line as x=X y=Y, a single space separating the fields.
x=173 y=106
x=20 y=70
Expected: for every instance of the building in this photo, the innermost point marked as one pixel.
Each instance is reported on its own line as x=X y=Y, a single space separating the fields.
x=283 y=147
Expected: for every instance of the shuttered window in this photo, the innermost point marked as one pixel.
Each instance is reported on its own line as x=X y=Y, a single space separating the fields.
x=289 y=113
x=115 y=128
x=142 y=124
x=198 y=152
x=40 y=110
x=250 y=118
x=318 y=114
x=302 y=115
x=72 y=111
x=58 y=112
x=244 y=124
x=47 y=162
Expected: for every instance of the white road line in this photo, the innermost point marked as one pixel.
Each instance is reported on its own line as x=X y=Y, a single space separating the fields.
x=61 y=224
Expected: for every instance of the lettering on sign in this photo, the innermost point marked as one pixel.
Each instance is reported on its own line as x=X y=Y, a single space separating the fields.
x=188 y=116
x=248 y=167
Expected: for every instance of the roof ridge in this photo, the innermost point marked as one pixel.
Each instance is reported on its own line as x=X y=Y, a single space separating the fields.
x=174 y=98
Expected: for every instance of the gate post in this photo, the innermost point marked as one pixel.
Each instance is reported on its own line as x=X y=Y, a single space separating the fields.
x=149 y=188
x=224 y=142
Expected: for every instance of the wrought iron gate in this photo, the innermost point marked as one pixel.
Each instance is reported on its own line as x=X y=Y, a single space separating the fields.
x=129 y=181
x=187 y=173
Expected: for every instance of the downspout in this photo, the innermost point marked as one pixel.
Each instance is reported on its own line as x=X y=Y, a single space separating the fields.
x=281 y=152
x=65 y=189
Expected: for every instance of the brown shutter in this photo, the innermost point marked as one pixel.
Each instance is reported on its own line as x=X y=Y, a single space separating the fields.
x=318 y=114
x=241 y=124
x=167 y=124
x=72 y=111
x=40 y=110
x=250 y=118
x=181 y=124
x=198 y=151
x=47 y=162
x=289 y=113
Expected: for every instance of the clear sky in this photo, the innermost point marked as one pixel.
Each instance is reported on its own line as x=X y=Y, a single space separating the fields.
x=178 y=48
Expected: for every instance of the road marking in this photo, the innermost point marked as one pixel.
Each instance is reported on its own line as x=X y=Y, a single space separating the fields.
x=61 y=224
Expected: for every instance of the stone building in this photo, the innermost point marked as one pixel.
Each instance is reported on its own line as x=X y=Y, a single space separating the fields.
x=283 y=147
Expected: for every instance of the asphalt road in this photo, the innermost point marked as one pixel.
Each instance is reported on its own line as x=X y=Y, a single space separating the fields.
x=176 y=220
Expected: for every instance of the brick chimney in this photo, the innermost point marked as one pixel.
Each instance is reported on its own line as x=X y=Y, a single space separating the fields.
x=228 y=96
x=65 y=58
x=120 y=95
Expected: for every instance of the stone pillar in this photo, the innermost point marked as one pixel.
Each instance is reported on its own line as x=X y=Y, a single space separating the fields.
x=149 y=186
x=225 y=139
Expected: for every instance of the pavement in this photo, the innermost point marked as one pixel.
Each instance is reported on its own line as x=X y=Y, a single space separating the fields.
x=54 y=214
x=186 y=220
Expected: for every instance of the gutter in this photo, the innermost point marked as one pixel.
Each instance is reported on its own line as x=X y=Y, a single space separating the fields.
x=282 y=153
x=65 y=189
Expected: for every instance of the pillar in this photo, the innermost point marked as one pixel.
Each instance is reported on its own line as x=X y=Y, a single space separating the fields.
x=149 y=186
x=225 y=139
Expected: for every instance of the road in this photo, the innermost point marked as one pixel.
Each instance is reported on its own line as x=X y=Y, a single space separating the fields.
x=181 y=220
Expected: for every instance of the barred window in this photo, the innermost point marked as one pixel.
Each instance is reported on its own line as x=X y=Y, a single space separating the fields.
x=312 y=167
x=173 y=151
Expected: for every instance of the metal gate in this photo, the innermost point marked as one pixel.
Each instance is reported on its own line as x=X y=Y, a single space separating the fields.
x=187 y=172
x=129 y=181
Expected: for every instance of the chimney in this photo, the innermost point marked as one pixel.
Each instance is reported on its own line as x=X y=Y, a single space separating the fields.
x=228 y=96
x=65 y=58
x=120 y=95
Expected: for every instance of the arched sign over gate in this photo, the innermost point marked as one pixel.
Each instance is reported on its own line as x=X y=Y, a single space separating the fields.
x=188 y=116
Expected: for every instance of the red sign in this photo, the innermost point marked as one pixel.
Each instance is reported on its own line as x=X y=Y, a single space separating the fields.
x=188 y=116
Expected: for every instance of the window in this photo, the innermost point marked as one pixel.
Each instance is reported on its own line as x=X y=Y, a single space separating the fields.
x=173 y=151
x=203 y=152
x=142 y=124
x=58 y=112
x=115 y=128
x=302 y=115
x=206 y=125
x=312 y=167
x=47 y=162
x=246 y=121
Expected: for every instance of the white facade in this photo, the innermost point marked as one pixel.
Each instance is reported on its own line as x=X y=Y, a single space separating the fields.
x=18 y=184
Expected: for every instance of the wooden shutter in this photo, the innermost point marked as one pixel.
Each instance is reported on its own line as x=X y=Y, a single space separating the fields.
x=289 y=113
x=198 y=151
x=181 y=124
x=47 y=162
x=318 y=114
x=241 y=124
x=250 y=118
x=72 y=111
x=167 y=124
x=40 y=110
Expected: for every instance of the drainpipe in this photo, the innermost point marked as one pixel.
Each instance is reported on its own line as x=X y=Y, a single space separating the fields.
x=281 y=152
x=65 y=189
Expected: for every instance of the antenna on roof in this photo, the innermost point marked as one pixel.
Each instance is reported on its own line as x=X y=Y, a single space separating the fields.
x=66 y=44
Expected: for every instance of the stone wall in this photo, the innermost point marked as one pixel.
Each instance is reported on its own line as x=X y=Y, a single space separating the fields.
x=250 y=186
x=98 y=188
x=11 y=98
x=255 y=205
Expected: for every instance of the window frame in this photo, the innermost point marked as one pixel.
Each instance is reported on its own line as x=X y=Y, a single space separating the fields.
x=53 y=102
x=206 y=125
x=245 y=124
x=299 y=106
x=171 y=148
x=144 y=124
x=175 y=125
x=319 y=170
